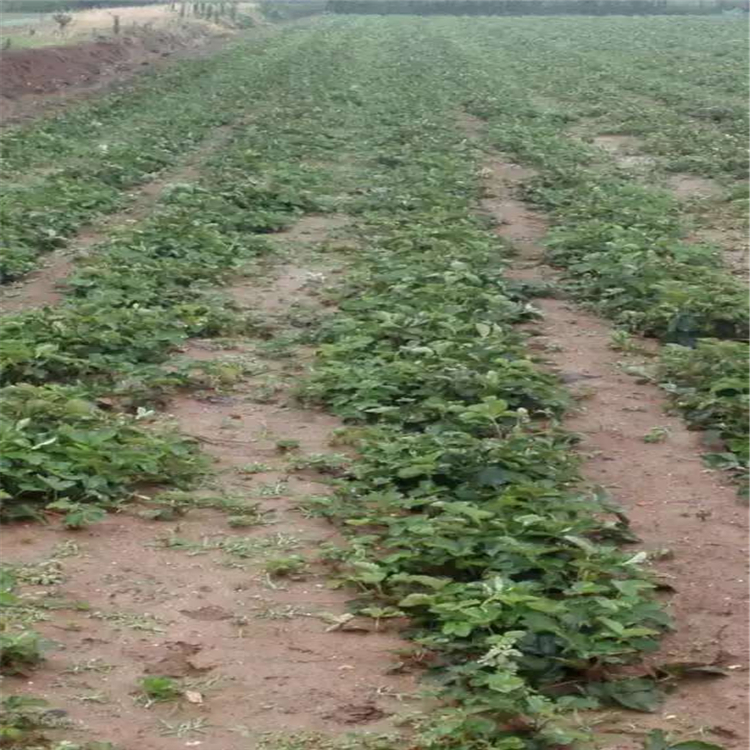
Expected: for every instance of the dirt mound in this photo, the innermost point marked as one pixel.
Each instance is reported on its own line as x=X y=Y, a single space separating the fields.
x=48 y=69
x=30 y=76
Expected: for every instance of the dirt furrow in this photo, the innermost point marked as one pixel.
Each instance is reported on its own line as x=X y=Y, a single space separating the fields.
x=45 y=285
x=687 y=517
x=237 y=608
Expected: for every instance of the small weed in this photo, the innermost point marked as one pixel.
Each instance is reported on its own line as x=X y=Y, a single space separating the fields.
x=133 y=621
x=185 y=728
x=316 y=506
x=244 y=520
x=317 y=741
x=265 y=393
x=279 y=347
x=287 y=566
x=287 y=444
x=46 y=573
x=221 y=374
x=624 y=341
x=254 y=468
x=657 y=435
x=275 y=489
x=95 y=697
x=176 y=504
x=68 y=548
x=235 y=546
x=90 y=665
x=286 y=612
x=328 y=463
x=244 y=547
x=158 y=689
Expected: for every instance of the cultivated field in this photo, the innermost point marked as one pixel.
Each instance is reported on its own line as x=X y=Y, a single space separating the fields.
x=380 y=383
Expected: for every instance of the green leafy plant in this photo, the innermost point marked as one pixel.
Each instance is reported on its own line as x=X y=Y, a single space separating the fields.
x=78 y=515
x=21 y=651
x=657 y=434
x=22 y=719
x=158 y=689
x=287 y=444
x=60 y=448
x=285 y=566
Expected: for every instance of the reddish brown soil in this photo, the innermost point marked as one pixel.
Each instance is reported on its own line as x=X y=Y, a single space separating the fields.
x=47 y=69
x=33 y=80
x=693 y=187
x=675 y=504
x=265 y=653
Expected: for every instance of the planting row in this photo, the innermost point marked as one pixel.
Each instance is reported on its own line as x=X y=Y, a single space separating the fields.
x=463 y=510
x=463 y=501
x=100 y=150
x=75 y=375
x=675 y=84
x=621 y=245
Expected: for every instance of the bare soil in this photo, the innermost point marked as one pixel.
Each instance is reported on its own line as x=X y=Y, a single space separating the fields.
x=625 y=149
x=686 y=515
x=690 y=186
x=37 y=80
x=191 y=598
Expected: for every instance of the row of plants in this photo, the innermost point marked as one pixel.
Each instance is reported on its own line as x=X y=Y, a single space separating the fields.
x=76 y=377
x=620 y=241
x=621 y=245
x=464 y=510
x=81 y=384
x=626 y=78
x=525 y=7
x=101 y=150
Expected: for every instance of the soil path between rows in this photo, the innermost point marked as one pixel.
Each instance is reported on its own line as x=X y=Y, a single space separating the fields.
x=688 y=517
x=45 y=286
x=192 y=598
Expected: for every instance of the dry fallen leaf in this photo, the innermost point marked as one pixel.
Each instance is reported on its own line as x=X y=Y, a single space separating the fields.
x=338 y=621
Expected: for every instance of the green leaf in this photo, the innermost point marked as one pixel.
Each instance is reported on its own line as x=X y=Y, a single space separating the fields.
x=504 y=682
x=637 y=694
x=416 y=600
